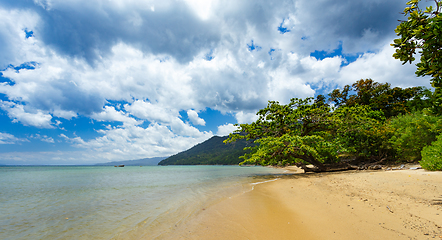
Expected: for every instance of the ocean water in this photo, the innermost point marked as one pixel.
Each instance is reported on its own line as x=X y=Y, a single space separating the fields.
x=101 y=202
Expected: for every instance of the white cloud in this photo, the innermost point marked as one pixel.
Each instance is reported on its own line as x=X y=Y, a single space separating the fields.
x=77 y=141
x=184 y=129
x=382 y=67
x=226 y=129
x=151 y=112
x=111 y=115
x=65 y=114
x=47 y=139
x=194 y=118
x=246 y=117
x=203 y=8
x=6 y=138
x=13 y=41
x=18 y=113
x=43 y=138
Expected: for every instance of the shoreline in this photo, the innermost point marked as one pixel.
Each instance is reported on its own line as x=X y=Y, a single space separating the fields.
x=400 y=204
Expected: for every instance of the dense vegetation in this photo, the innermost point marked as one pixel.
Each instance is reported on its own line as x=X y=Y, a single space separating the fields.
x=365 y=123
x=210 y=152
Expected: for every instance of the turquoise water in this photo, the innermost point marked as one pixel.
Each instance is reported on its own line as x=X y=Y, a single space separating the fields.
x=97 y=202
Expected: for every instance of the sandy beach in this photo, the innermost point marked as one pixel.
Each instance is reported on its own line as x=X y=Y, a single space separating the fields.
x=399 y=204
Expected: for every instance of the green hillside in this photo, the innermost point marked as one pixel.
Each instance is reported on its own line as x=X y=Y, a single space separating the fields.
x=210 y=152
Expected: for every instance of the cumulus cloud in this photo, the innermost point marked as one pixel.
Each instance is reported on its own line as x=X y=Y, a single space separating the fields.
x=226 y=129
x=18 y=113
x=194 y=118
x=111 y=115
x=246 y=117
x=151 y=112
x=13 y=40
x=381 y=67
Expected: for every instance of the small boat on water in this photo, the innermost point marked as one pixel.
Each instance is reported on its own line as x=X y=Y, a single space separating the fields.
x=119 y=165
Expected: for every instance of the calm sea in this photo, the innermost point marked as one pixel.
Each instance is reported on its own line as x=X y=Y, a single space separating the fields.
x=97 y=202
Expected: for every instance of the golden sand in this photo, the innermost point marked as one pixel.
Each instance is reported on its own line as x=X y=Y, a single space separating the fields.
x=401 y=204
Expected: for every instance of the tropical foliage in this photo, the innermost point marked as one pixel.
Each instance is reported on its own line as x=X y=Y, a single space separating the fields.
x=287 y=134
x=368 y=122
x=411 y=133
x=432 y=156
x=380 y=96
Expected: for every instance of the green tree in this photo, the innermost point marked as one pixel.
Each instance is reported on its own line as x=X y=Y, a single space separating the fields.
x=289 y=134
x=311 y=132
x=362 y=133
x=380 y=96
x=423 y=32
x=410 y=133
x=432 y=156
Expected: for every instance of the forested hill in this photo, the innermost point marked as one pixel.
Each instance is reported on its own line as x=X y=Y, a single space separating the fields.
x=210 y=152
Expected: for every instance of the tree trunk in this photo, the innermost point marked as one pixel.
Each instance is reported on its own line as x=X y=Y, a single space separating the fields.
x=335 y=167
x=319 y=167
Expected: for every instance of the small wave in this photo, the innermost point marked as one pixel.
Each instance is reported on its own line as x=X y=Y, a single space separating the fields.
x=253 y=184
x=265 y=181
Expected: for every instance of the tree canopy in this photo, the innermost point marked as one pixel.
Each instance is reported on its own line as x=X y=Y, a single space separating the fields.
x=310 y=131
x=380 y=96
x=286 y=134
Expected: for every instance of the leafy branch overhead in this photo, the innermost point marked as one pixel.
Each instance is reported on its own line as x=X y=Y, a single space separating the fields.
x=422 y=31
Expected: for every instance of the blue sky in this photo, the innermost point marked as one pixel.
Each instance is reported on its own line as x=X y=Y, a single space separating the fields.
x=83 y=82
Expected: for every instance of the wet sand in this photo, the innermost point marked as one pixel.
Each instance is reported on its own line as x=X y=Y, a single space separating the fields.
x=400 y=204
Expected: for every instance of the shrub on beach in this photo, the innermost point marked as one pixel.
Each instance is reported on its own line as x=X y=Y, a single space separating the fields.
x=432 y=156
x=412 y=132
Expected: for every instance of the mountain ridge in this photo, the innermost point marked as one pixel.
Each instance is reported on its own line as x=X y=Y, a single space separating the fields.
x=210 y=152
